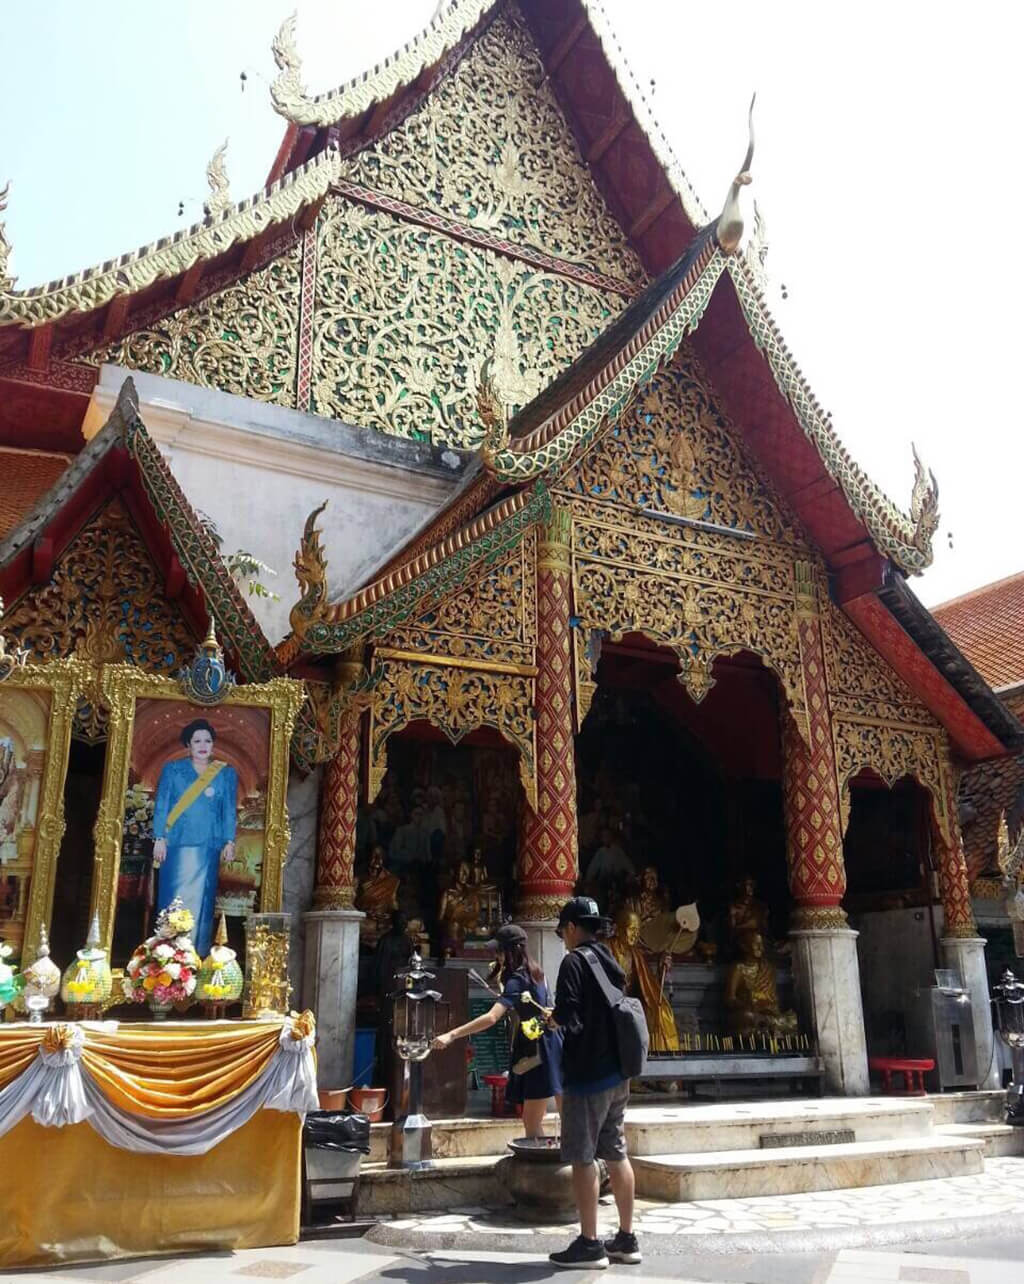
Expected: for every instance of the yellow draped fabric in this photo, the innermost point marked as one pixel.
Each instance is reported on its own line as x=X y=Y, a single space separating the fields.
x=640 y=978
x=192 y=793
x=68 y=1196
x=160 y=1071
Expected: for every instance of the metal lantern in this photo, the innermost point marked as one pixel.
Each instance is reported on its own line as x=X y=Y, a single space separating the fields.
x=415 y=1021
x=1009 y=994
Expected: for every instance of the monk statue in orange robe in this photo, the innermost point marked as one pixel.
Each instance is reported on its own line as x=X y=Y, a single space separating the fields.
x=643 y=982
x=751 y=995
x=377 y=897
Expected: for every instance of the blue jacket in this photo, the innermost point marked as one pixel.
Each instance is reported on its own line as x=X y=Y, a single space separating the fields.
x=211 y=820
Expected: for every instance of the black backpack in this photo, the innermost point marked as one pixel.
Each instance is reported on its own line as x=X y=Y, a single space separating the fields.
x=629 y=1024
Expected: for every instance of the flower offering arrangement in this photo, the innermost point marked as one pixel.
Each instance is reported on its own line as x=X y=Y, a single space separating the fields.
x=164 y=969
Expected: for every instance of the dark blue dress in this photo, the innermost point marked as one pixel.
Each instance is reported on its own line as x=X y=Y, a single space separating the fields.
x=545 y=1080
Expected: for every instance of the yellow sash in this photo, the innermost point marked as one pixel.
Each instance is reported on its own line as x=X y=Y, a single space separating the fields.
x=192 y=793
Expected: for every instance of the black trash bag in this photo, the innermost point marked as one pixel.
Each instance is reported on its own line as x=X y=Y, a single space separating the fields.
x=329 y=1130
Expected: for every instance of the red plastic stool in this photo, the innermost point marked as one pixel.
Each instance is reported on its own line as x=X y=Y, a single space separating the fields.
x=913 y=1071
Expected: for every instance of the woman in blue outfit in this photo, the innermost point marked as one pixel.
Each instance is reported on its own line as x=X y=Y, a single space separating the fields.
x=194 y=823
x=535 y=1070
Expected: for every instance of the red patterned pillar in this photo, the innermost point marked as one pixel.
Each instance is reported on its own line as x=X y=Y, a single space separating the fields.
x=814 y=833
x=548 y=859
x=339 y=801
x=954 y=880
x=826 y=976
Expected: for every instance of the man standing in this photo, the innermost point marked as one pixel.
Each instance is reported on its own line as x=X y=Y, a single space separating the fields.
x=595 y=1090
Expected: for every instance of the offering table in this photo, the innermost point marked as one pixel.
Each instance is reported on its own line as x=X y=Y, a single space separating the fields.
x=118 y=1140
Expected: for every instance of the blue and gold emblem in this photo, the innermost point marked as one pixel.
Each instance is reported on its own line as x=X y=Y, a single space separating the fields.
x=206 y=680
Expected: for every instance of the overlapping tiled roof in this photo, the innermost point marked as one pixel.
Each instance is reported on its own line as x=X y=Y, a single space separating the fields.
x=27 y=475
x=987 y=624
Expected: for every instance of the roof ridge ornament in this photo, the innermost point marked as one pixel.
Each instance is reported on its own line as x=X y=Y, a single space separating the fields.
x=287 y=88
x=219 y=200
x=924 y=505
x=6 y=280
x=729 y=228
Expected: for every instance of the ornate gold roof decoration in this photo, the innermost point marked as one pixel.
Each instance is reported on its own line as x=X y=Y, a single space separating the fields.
x=171 y=256
x=441 y=35
x=5 y=246
x=729 y=228
x=755 y=252
x=493 y=411
x=219 y=200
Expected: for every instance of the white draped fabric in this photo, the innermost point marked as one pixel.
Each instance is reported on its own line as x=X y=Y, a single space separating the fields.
x=57 y=1090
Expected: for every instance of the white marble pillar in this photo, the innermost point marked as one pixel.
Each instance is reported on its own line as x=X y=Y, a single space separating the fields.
x=330 y=980
x=544 y=947
x=826 y=981
x=966 y=955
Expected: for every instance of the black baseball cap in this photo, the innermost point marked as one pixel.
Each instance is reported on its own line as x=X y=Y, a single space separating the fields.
x=507 y=934
x=582 y=910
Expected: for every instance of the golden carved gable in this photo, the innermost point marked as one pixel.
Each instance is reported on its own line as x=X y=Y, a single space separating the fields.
x=105 y=603
x=491 y=148
x=676 y=452
x=243 y=339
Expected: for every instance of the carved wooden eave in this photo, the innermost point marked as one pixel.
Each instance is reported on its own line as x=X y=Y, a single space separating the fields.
x=123 y=459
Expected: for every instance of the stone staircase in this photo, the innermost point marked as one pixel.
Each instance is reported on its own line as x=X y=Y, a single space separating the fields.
x=729 y=1150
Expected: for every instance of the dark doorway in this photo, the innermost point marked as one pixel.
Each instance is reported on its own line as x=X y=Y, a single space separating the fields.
x=73 y=886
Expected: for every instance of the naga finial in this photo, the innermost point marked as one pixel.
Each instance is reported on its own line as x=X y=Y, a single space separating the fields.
x=492 y=410
x=756 y=250
x=924 y=505
x=311 y=572
x=6 y=280
x=729 y=229
x=287 y=87
x=219 y=200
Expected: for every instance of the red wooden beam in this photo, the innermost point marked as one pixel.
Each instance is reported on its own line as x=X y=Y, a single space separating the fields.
x=189 y=283
x=39 y=347
x=176 y=579
x=42 y=560
x=565 y=43
x=652 y=213
x=608 y=135
x=251 y=256
x=117 y=314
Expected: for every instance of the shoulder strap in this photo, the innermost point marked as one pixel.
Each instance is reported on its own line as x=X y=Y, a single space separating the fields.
x=611 y=994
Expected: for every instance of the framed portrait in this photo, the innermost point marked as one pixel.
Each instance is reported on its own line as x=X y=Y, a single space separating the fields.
x=193 y=806
x=37 y=705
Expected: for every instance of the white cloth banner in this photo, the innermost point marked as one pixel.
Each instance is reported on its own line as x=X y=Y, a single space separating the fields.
x=56 y=1092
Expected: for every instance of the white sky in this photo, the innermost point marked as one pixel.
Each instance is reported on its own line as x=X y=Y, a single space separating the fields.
x=887 y=171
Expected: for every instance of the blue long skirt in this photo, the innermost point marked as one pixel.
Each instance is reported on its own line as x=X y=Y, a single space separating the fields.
x=191 y=873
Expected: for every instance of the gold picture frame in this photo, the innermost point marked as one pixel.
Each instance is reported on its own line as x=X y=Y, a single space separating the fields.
x=65 y=681
x=122 y=686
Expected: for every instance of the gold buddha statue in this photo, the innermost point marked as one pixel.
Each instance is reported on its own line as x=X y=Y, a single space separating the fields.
x=488 y=893
x=377 y=897
x=459 y=910
x=746 y=913
x=751 y=995
x=643 y=982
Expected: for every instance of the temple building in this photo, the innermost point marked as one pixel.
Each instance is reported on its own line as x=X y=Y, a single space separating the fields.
x=590 y=593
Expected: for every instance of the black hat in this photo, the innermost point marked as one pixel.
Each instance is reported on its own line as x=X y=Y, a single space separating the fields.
x=582 y=910
x=507 y=934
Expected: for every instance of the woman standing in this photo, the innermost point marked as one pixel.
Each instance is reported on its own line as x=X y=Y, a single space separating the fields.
x=535 y=1071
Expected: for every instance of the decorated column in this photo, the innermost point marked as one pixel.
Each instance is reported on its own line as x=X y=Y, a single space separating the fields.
x=963 y=949
x=331 y=965
x=825 y=971
x=548 y=854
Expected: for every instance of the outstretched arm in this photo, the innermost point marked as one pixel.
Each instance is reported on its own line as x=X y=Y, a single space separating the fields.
x=483 y=1022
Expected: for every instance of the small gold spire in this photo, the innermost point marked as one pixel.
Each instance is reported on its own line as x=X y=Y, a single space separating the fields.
x=211 y=635
x=222 y=930
x=92 y=941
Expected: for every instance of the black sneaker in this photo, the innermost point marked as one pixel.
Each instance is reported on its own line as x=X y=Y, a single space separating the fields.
x=624 y=1248
x=582 y=1254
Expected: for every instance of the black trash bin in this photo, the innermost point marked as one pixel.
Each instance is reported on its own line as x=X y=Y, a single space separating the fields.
x=333 y=1146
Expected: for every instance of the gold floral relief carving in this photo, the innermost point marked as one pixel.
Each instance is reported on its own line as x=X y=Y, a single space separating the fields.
x=243 y=340
x=491 y=148
x=493 y=620
x=456 y=700
x=892 y=752
x=105 y=601
x=676 y=452
x=861 y=683
x=405 y=317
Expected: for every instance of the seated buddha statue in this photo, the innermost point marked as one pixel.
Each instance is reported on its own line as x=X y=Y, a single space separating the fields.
x=377 y=897
x=751 y=995
x=746 y=913
x=459 y=910
x=643 y=982
x=486 y=889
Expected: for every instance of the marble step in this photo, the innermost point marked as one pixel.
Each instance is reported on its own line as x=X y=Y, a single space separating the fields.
x=744 y=1174
x=975 y=1106
x=661 y=1130
x=460 y=1138
x=999 y=1138
x=446 y=1184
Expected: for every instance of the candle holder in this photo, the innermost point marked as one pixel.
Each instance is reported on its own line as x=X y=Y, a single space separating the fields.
x=415 y=1024
x=267 y=988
